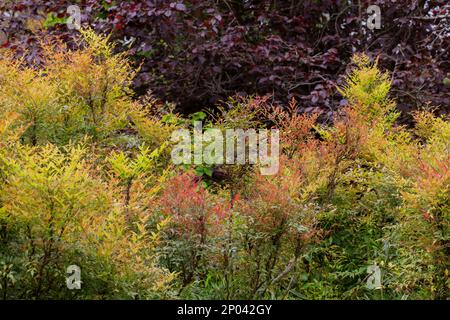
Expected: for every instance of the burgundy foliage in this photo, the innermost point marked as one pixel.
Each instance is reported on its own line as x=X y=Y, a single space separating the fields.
x=197 y=52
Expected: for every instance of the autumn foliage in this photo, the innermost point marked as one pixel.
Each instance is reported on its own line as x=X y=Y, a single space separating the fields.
x=86 y=179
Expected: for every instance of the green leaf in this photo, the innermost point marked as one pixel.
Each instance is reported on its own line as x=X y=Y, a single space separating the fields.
x=198 y=116
x=51 y=20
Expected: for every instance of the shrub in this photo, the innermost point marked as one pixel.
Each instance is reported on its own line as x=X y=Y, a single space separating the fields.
x=196 y=53
x=93 y=185
x=55 y=213
x=72 y=94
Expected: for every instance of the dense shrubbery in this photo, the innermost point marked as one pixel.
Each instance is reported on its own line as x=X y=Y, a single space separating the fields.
x=196 y=52
x=86 y=179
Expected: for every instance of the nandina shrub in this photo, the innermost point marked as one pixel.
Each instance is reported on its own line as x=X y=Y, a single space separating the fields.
x=341 y=182
x=277 y=230
x=185 y=202
x=358 y=191
x=296 y=128
x=55 y=212
x=378 y=174
x=71 y=94
x=265 y=230
x=425 y=227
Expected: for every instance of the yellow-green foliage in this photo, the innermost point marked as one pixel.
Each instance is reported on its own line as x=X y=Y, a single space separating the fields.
x=55 y=212
x=62 y=192
x=86 y=179
x=368 y=87
x=74 y=93
x=435 y=131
